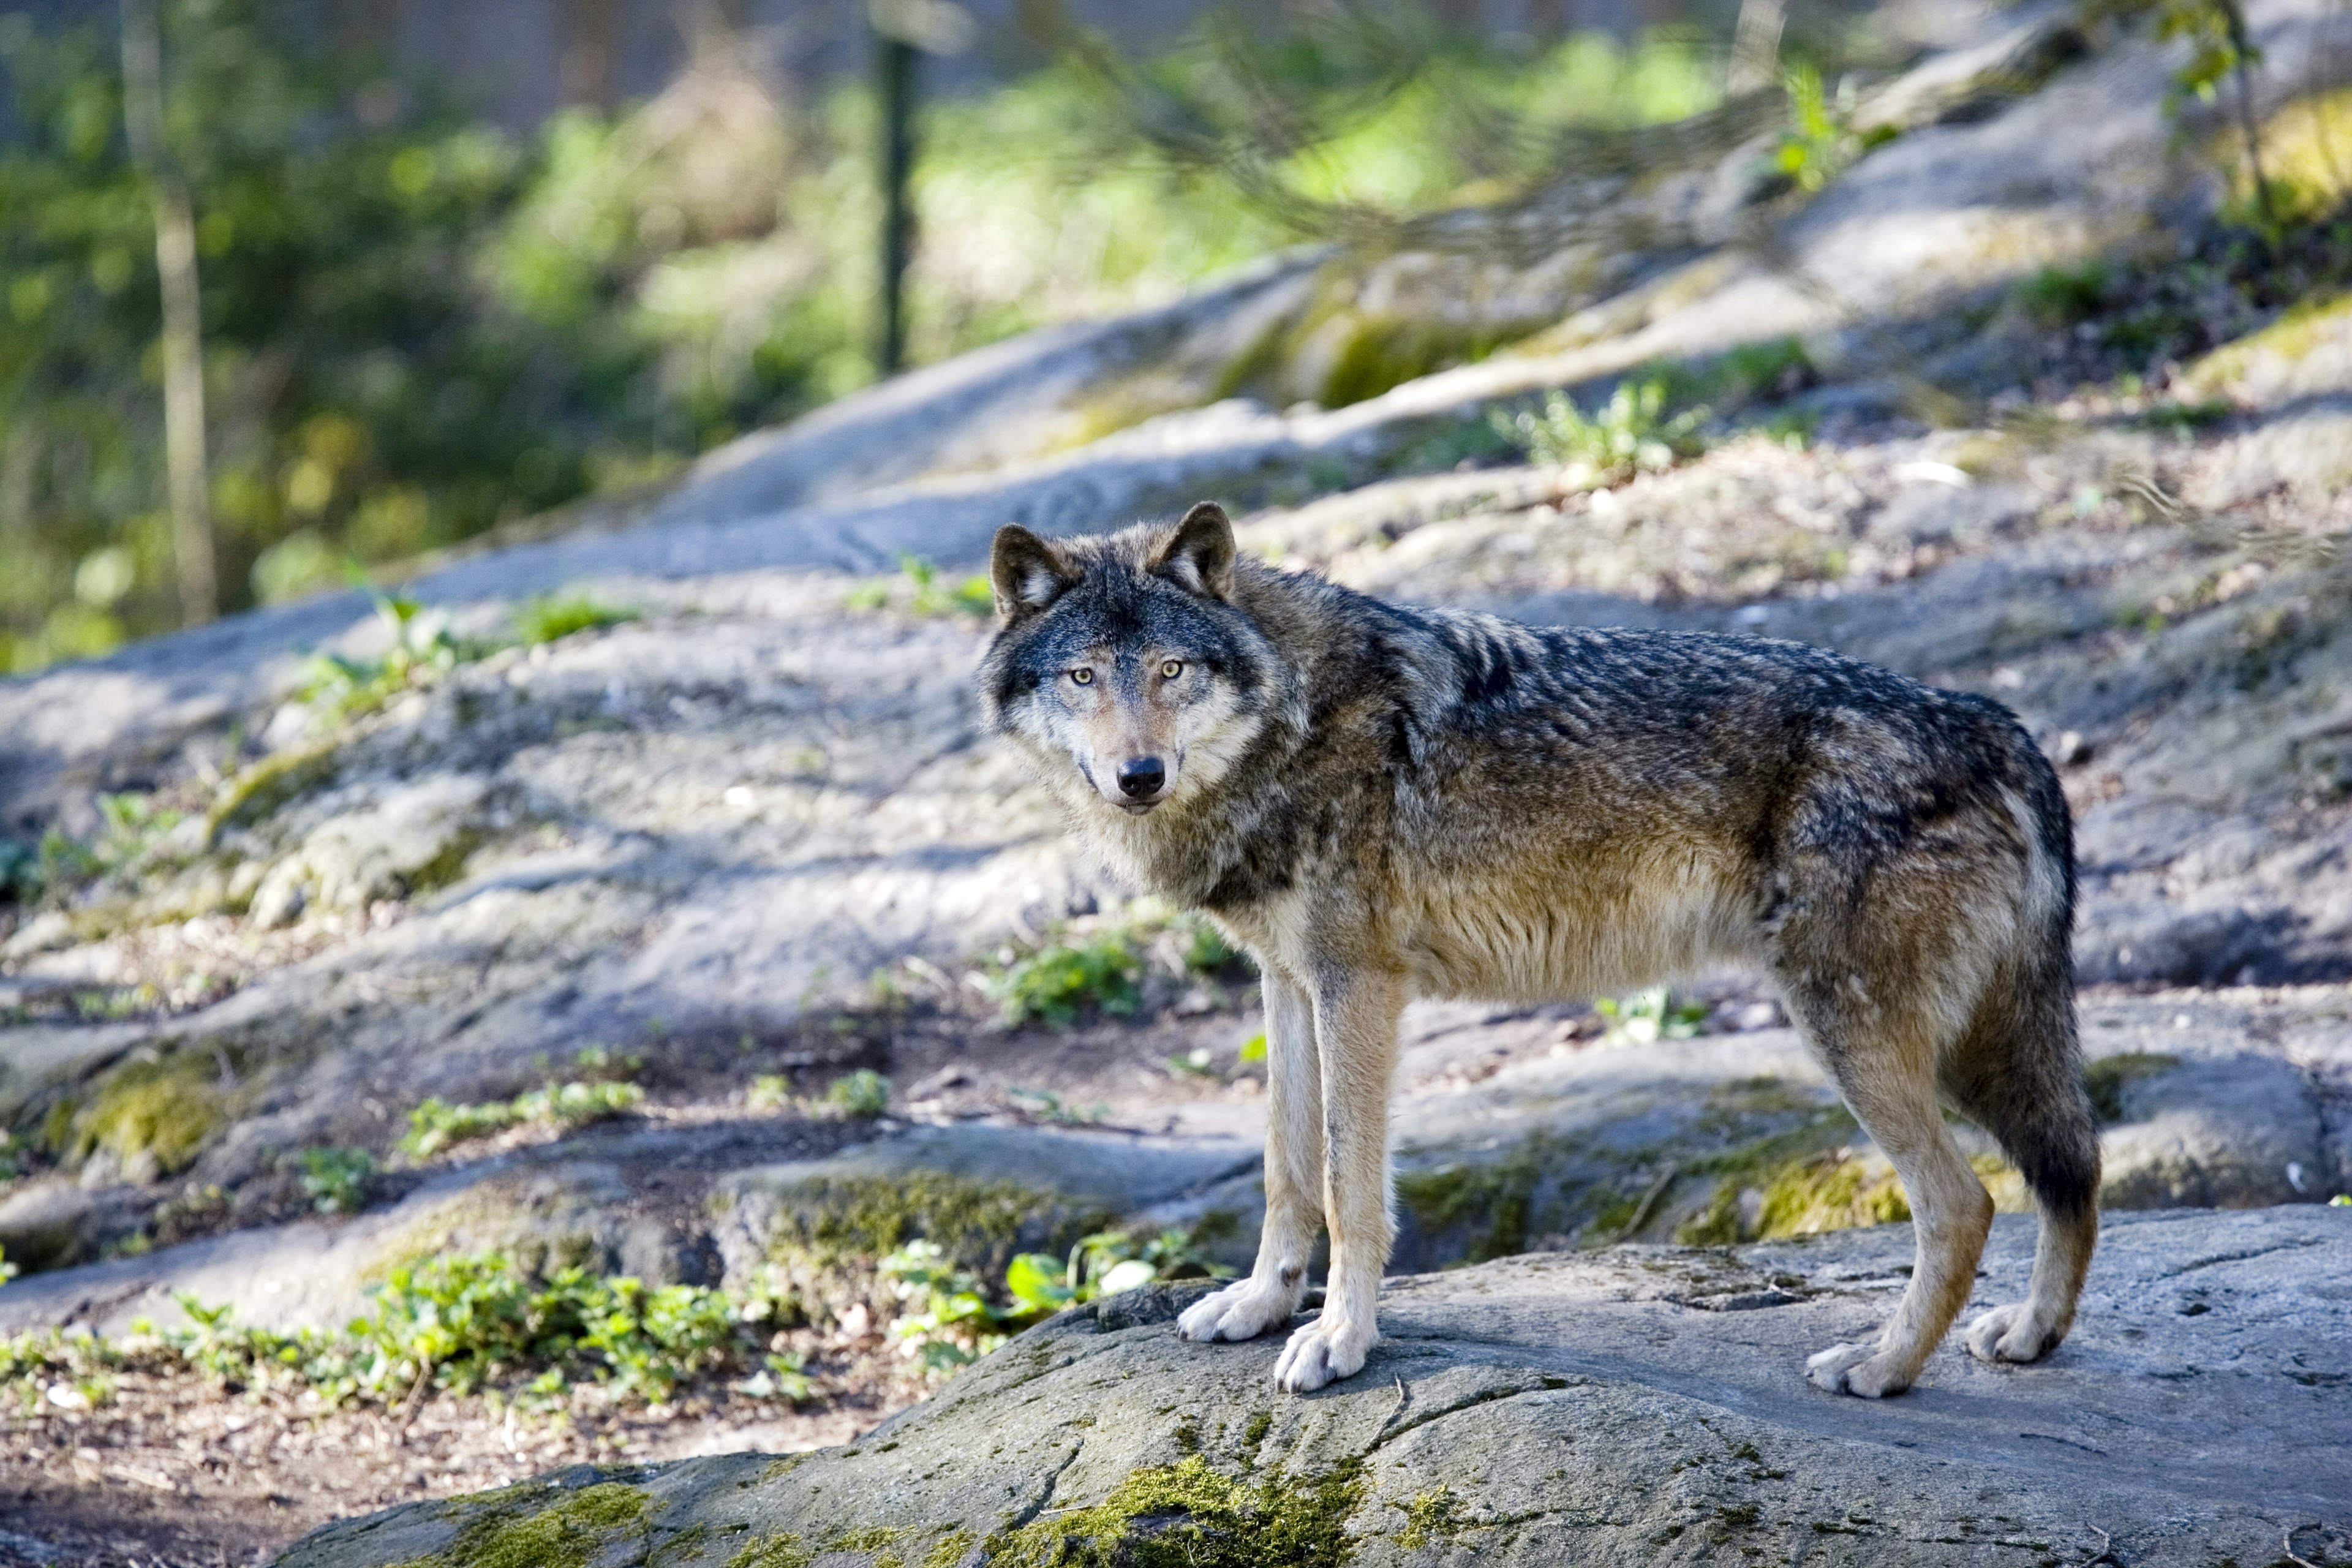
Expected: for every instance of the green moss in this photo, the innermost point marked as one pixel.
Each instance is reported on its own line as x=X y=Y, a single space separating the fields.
x=952 y=1550
x=833 y=1221
x=269 y=784
x=1190 y=1516
x=566 y=1535
x=1836 y=1190
x=1385 y=352
x=1433 y=1516
x=2107 y=1078
x=1491 y=1202
x=773 y=1552
x=158 y=1114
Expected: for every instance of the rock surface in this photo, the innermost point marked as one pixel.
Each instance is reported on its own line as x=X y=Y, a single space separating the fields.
x=1639 y=1405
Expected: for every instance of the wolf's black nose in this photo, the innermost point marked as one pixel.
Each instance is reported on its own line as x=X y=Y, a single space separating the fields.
x=1140 y=776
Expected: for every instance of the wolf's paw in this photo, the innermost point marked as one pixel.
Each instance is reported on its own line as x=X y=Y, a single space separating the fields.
x=2012 y=1333
x=1321 y=1352
x=1864 y=1370
x=1240 y=1312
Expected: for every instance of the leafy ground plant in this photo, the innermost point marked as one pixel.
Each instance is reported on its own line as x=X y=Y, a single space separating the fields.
x=1631 y=433
x=546 y=618
x=459 y=1325
x=336 y=1180
x=1648 y=1015
x=436 y=1125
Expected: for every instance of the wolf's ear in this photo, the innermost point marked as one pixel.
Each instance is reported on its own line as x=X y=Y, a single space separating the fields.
x=1027 y=573
x=1200 y=554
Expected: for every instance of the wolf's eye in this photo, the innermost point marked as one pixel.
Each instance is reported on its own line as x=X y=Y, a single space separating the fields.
x=1170 y=668
x=1083 y=676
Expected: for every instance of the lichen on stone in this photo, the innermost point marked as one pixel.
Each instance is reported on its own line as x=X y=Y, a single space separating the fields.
x=1434 y=1515
x=1190 y=1515
x=569 y=1533
x=773 y=1552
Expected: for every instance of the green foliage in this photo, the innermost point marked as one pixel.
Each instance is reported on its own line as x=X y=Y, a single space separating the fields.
x=1254 y=1048
x=1103 y=1264
x=336 y=1180
x=1649 y=1015
x=436 y=1125
x=1631 y=433
x=460 y=1325
x=946 y=1321
x=546 y=618
x=1053 y=984
x=861 y=1093
x=419 y=651
x=1820 y=142
x=7 y=1269
x=2061 y=296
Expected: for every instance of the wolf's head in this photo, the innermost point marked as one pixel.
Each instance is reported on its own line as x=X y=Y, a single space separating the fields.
x=1122 y=662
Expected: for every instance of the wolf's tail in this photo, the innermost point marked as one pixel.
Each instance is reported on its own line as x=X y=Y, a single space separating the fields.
x=2018 y=1075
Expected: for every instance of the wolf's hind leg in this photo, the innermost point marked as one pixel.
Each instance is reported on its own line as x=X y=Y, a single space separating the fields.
x=1356 y=1039
x=2020 y=1079
x=1888 y=1084
x=1294 y=1179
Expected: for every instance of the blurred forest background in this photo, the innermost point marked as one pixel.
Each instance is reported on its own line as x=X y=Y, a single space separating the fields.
x=440 y=293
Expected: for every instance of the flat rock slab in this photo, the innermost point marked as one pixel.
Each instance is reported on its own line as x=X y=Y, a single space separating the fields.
x=1644 y=1404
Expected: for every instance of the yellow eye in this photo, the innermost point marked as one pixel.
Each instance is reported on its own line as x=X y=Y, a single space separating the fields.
x=1083 y=676
x=1170 y=668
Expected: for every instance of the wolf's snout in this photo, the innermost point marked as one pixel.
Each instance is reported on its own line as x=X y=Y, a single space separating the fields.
x=1140 y=778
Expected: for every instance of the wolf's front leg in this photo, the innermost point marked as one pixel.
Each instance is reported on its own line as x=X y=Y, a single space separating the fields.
x=1356 y=1042
x=1294 y=1179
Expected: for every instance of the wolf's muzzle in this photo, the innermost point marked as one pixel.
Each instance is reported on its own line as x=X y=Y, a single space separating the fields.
x=1141 y=779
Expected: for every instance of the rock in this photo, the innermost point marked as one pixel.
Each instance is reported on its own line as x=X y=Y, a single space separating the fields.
x=42 y=1223
x=2234 y=1131
x=1630 y=1406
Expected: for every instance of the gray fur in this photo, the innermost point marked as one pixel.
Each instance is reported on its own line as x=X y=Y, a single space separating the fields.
x=1381 y=802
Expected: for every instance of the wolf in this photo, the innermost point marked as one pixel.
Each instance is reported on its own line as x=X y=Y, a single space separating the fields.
x=1380 y=801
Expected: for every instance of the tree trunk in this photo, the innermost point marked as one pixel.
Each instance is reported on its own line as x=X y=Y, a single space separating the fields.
x=184 y=459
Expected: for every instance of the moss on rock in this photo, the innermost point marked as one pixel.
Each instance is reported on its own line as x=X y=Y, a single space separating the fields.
x=568 y=1533
x=2109 y=1077
x=831 y=1221
x=1188 y=1515
x=153 y=1116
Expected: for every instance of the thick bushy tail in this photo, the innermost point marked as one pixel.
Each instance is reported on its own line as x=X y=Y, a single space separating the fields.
x=2018 y=1076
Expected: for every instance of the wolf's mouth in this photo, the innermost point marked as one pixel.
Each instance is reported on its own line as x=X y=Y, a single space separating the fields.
x=1134 y=808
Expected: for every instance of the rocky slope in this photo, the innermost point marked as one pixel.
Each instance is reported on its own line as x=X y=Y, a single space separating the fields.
x=1641 y=1406
x=750 y=839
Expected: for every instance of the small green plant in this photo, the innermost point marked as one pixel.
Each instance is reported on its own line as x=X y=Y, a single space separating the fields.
x=2061 y=296
x=546 y=618
x=1105 y=1264
x=1052 y=985
x=1818 y=144
x=947 y=1322
x=1649 y=1015
x=1631 y=433
x=921 y=591
x=336 y=1180
x=7 y=1269
x=1196 y=1063
x=1254 y=1048
x=1046 y=1103
x=861 y=1093
x=768 y=1091
x=436 y=1125
x=421 y=652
